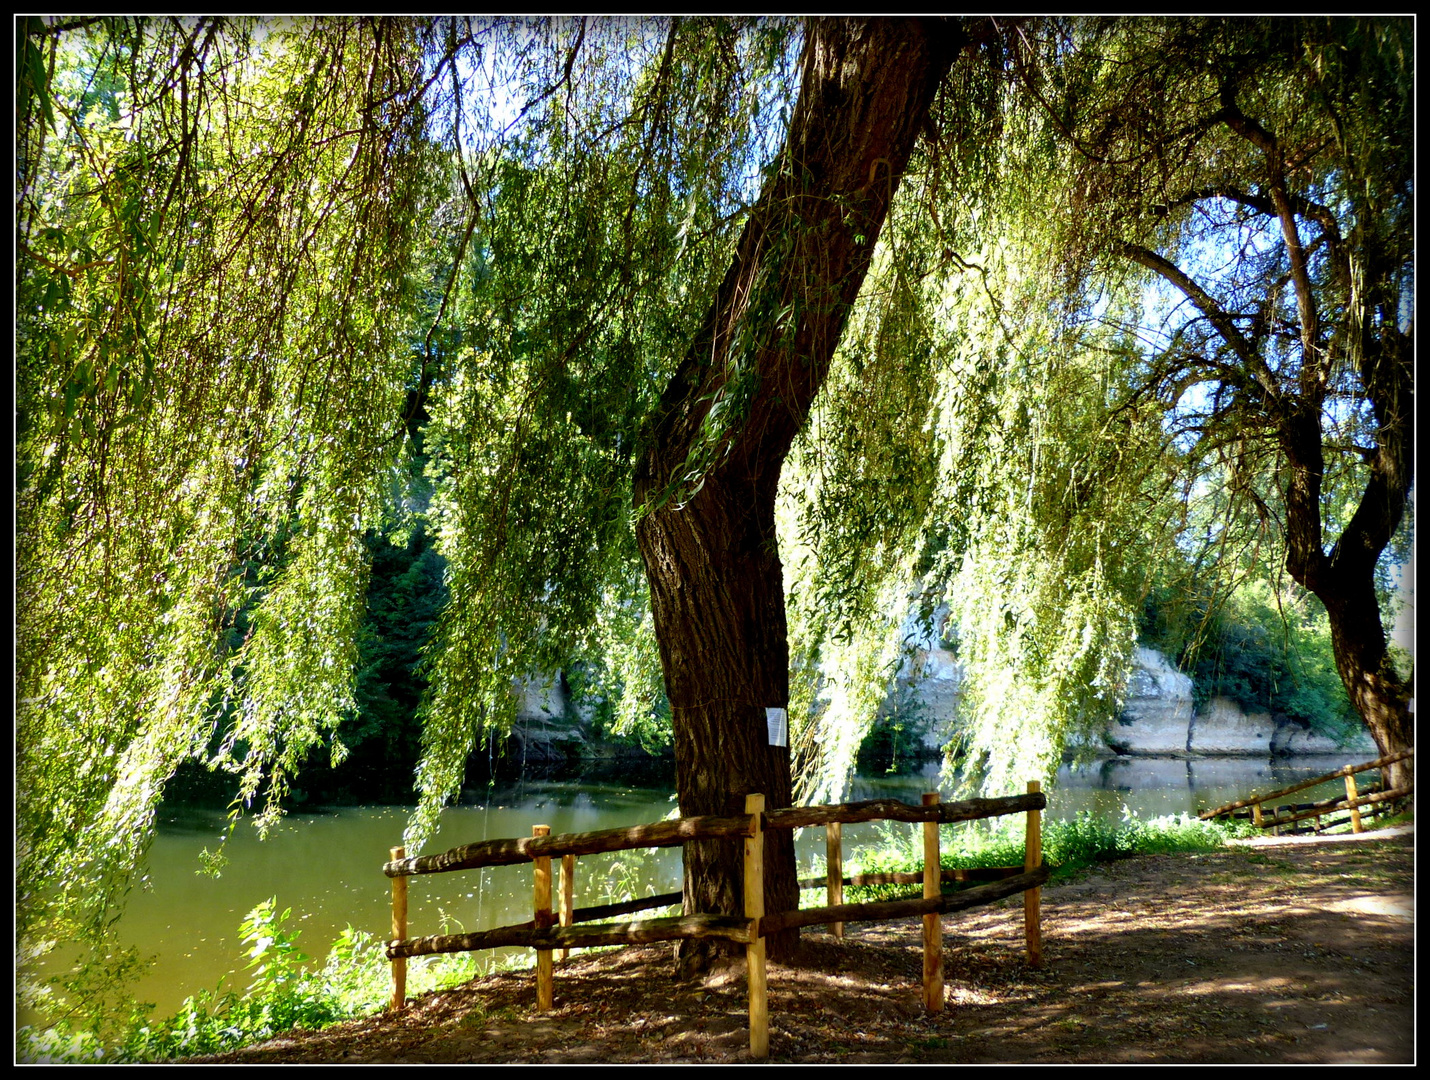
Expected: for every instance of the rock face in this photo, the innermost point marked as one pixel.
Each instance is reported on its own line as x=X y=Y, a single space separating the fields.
x=1222 y=728
x=926 y=690
x=1159 y=717
x=929 y=690
x=552 y=733
x=548 y=731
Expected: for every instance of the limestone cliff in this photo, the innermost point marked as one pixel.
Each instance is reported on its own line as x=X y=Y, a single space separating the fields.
x=1159 y=717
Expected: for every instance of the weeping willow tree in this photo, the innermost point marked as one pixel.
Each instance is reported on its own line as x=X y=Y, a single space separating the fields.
x=601 y=267
x=1261 y=174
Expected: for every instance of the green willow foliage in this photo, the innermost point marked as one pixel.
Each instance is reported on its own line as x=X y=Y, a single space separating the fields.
x=977 y=459
x=216 y=308
x=595 y=241
x=257 y=260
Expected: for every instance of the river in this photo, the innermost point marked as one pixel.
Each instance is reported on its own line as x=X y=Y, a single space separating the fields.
x=327 y=865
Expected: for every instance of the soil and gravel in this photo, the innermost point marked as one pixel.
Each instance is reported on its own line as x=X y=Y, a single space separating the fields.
x=1275 y=950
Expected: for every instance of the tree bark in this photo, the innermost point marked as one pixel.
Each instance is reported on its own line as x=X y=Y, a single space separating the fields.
x=706 y=479
x=1344 y=580
x=1376 y=689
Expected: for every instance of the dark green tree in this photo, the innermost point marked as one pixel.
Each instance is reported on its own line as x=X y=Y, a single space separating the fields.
x=1262 y=171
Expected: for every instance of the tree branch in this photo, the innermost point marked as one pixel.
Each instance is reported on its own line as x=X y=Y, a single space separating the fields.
x=1213 y=311
x=1313 y=376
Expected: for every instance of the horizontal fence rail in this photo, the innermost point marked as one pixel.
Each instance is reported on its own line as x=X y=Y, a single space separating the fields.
x=800 y=817
x=1376 y=800
x=1350 y=804
x=729 y=927
x=1349 y=770
x=881 y=910
x=527 y=848
x=510 y=852
x=979 y=885
x=957 y=876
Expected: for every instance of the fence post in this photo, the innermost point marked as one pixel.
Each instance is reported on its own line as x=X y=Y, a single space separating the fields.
x=399 y=933
x=755 y=910
x=834 y=864
x=1032 y=898
x=541 y=918
x=568 y=885
x=933 y=923
x=1351 y=797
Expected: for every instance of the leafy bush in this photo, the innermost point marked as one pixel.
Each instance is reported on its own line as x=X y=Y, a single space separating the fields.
x=282 y=994
x=1266 y=650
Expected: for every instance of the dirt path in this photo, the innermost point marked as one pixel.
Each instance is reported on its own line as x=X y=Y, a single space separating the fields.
x=1268 y=952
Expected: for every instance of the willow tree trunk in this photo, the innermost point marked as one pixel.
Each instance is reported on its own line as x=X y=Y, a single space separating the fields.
x=1376 y=688
x=1344 y=580
x=706 y=481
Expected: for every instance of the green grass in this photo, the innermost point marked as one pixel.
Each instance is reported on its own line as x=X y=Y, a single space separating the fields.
x=1068 y=846
x=1405 y=817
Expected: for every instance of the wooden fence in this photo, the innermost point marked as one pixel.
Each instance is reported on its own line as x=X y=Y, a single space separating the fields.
x=1374 y=800
x=547 y=931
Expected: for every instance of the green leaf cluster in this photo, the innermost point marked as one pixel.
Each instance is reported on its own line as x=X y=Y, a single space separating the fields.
x=1267 y=649
x=215 y=311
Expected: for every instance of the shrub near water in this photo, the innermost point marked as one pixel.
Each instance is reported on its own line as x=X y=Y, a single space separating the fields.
x=282 y=994
x=1068 y=846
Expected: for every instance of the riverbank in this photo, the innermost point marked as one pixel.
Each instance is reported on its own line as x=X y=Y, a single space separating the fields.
x=1275 y=951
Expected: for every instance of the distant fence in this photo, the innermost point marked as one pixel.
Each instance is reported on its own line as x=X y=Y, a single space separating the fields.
x=547 y=932
x=1373 y=800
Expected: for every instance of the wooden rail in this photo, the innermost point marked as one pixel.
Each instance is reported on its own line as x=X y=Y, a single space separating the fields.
x=1352 y=801
x=958 y=876
x=880 y=910
x=1377 y=802
x=731 y=928
x=547 y=931
x=801 y=817
x=526 y=848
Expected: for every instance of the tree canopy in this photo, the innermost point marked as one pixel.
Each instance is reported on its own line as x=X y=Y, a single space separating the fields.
x=1269 y=190
x=750 y=329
